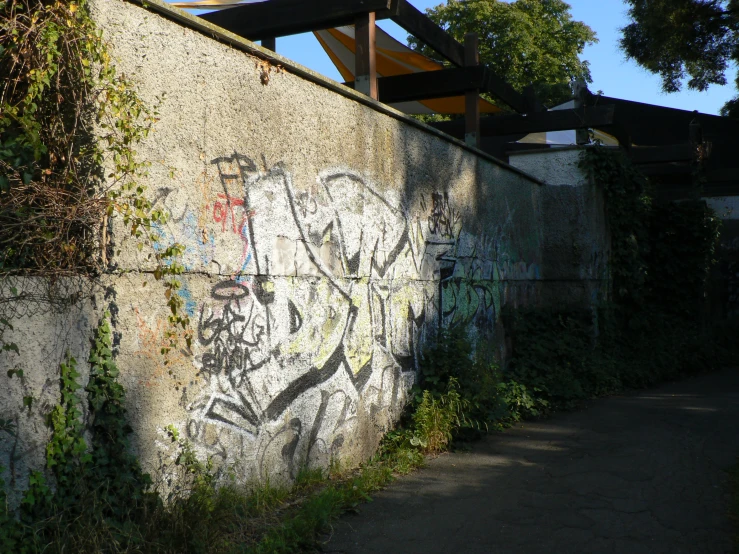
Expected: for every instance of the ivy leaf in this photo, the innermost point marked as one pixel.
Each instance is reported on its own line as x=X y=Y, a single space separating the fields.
x=11 y=347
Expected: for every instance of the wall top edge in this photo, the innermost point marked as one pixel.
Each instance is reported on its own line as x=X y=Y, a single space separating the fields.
x=548 y=150
x=218 y=33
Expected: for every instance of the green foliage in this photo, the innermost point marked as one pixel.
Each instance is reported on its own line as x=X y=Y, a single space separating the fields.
x=198 y=516
x=66 y=451
x=201 y=516
x=114 y=472
x=661 y=252
x=7 y=426
x=451 y=359
x=65 y=114
x=684 y=236
x=527 y=41
x=628 y=205
x=298 y=533
x=554 y=359
x=99 y=500
x=398 y=454
x=449 y=356
x=522 y=402
x=436 y=417
x=6 y=346
x=300 y=530
x=651 y=329
x=11 y=531
x=679 y=39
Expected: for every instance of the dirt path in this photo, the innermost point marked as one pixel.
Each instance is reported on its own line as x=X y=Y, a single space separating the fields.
x=639 y=473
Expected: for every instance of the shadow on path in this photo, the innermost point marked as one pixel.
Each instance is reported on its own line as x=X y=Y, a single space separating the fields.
x=639 y=473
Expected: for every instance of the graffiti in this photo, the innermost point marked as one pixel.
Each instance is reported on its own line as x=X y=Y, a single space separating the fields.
x=249 y=332
x=466 y=298
x=224 y=207
x=442 y=219
x=316 y=330
x=187 y=226
x=232 y=172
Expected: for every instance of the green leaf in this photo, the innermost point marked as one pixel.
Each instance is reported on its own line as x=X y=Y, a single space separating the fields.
x=11 y=347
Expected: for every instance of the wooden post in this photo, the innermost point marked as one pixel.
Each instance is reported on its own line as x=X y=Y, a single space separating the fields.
x=471 y=97
x=270 y=44
x=582 y=136
x=365 y=63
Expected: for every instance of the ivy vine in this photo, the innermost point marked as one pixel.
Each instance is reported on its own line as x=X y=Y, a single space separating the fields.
x=651 y=326
x=69 y=125
x=628 y=200
x=99 y=483
x=116 y=469
x=661 y=252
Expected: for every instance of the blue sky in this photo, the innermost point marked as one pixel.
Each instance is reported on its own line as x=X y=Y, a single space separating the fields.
x=611 y=72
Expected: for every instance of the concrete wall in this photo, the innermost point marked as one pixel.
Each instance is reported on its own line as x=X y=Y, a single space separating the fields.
x=575 y=244
x=49 y=320
x=326 y=238
x=556 y=167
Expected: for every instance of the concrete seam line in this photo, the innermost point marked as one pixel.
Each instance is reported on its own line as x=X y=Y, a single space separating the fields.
x=192 y=273
x=240 y=43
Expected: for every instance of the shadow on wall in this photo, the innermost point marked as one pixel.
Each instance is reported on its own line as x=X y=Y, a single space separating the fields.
x=49 y=319
x=312 y=286
x=310 y=339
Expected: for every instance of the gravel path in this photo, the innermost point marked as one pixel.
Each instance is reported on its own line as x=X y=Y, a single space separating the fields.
x=639 y=473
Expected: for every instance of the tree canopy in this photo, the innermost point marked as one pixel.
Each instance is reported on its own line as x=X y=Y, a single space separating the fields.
x=528 y=42
x=685 y=39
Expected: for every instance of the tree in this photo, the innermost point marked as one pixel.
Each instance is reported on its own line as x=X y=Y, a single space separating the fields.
x=528 y=42
x=679 y=39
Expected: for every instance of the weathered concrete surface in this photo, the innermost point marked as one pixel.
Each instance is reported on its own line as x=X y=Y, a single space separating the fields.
x=50 y=320
x=557 y=167
x=639 y=473
x=325 y=242
x=326 y=239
